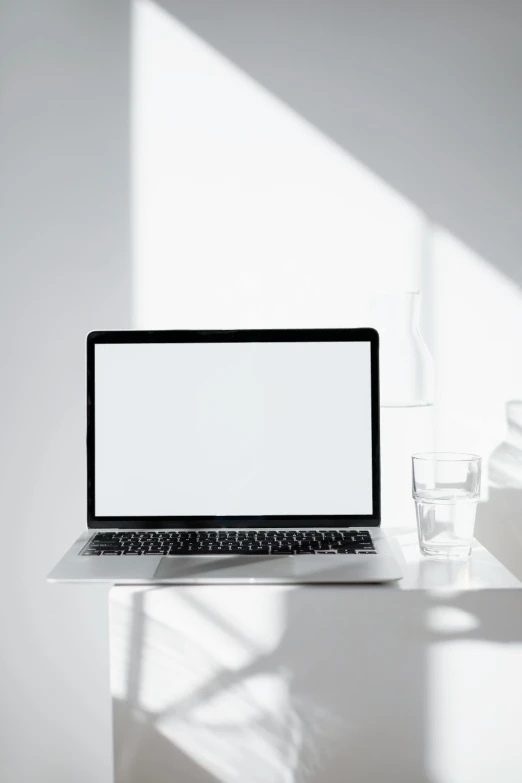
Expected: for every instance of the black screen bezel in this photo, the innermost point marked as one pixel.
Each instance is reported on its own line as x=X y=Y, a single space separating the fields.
x=234 y=336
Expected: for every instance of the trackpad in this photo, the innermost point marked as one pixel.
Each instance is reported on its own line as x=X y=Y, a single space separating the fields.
x=245 y=569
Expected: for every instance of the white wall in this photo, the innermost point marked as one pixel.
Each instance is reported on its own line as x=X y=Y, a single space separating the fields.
x=244 y=213
x=64 y=254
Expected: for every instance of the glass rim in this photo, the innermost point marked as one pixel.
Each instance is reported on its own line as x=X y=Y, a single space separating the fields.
x=446 y=456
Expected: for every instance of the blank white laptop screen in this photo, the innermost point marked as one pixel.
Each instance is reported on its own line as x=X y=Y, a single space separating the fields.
x=232 y=429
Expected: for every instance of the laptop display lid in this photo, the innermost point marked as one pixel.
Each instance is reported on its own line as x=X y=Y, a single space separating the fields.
x=224 y=429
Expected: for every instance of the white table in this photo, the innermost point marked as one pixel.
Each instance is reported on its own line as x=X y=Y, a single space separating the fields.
x=417 y=682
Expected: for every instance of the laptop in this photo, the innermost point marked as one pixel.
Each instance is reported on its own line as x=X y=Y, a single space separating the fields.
x=237 y=456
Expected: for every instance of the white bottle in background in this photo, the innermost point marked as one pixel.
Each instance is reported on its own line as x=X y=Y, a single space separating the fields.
x=406 y=396
x=405 y=431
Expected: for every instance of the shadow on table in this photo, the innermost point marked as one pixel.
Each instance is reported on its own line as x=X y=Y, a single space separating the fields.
x=287 y=684
x=142 y=753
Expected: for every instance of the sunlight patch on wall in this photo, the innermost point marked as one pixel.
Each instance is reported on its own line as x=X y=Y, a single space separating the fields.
x=243 y=213
x=476 y=343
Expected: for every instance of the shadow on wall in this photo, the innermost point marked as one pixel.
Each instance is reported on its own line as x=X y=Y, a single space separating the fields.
x=310 y=704
x=65 y=260
x=499 y=520
x=424 y=94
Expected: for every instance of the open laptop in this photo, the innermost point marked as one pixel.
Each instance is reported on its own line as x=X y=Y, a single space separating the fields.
x=232 y=457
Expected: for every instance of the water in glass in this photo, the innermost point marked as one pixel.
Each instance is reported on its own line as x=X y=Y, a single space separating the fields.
x=445 y=520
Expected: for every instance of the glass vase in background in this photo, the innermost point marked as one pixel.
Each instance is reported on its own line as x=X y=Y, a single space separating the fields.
x=407 y=398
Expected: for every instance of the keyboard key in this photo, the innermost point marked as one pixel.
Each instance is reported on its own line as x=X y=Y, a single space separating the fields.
x=106 y=547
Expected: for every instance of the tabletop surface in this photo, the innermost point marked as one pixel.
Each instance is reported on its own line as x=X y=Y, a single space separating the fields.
x=320 y=683
x=481 y=571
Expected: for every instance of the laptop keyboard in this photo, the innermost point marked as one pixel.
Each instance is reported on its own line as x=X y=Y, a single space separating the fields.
x=227 y=542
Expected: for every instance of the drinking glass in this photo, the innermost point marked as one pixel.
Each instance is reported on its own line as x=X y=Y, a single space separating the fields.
x=446 y=490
